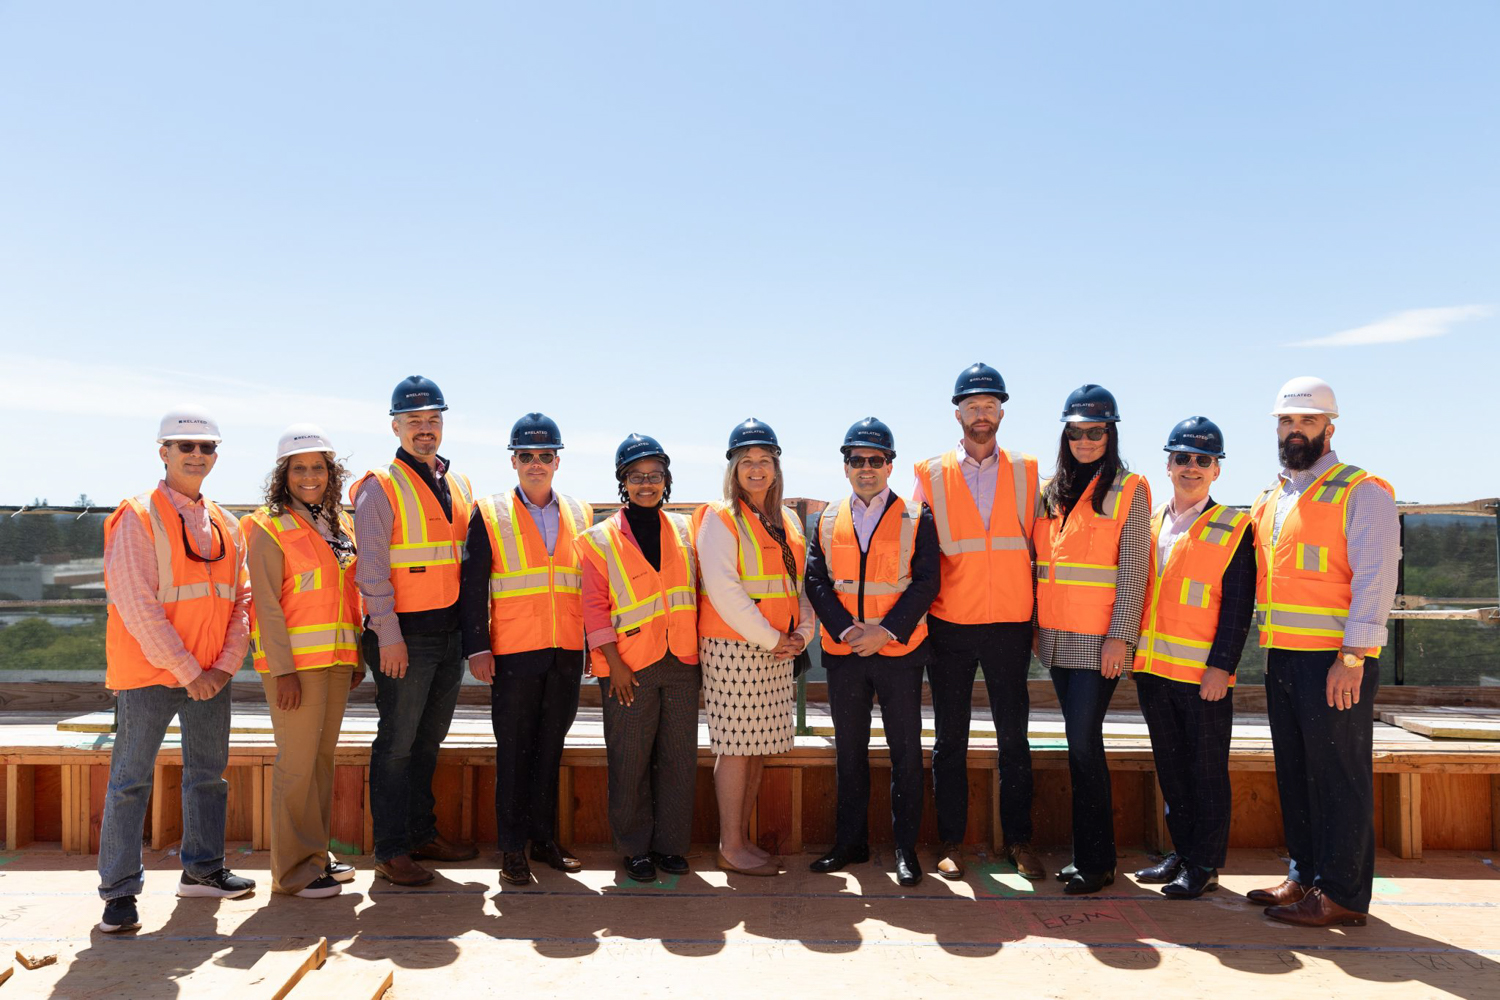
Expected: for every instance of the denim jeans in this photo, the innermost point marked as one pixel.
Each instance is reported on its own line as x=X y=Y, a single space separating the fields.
x=1084 y=697
x=415 y=713
x=141 y=720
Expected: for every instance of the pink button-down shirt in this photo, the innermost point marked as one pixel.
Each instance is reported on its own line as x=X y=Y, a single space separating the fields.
x=130 y=565
x=981 y=478
x=867 y=516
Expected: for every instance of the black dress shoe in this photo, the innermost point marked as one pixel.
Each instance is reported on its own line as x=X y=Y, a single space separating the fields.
x=514 y=869
x=1164 y=870
x=555 y=855
x=1192 y=882
x=640 y=868
x=908 y=870
x=1068 y=871
x=672 y=864
x=840 y=856
x=1081 y=884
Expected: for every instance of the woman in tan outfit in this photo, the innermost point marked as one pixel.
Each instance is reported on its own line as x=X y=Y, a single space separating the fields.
x=304 y=640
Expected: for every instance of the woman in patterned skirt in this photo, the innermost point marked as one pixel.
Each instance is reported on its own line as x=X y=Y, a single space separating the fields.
x=753 y=621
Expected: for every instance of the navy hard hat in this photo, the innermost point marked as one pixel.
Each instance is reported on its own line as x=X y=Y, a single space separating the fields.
x=415 y=393
x=1090 y=404
x=869 y=433
x=1197 y=436
x=751 y=433
x=636 y=447
x=979 y=379
x=535 y=430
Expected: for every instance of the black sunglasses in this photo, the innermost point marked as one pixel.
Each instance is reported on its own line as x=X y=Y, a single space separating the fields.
x=192 y=553
x=1183 y=458
x=188 y=447
x=1076 y=433
x=527 y=457
x=860 y=461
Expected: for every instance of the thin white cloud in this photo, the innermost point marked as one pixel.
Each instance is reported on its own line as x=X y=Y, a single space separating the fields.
x=1410 y=324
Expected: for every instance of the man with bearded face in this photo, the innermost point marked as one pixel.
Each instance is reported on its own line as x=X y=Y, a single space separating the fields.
x=984 y=500
x=1327 y=541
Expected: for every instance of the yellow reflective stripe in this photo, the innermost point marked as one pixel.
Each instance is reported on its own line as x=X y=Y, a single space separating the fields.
x=511 y=555
x=193 y=591
x=1043 y=571
x=748 y=544
x=1302 y=620
x=937 y=499
x=911 y=513
x=413 y=519
x=1187 y=652
x=1312 y=557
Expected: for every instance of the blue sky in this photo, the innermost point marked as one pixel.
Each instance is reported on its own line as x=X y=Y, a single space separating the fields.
x=667 y=217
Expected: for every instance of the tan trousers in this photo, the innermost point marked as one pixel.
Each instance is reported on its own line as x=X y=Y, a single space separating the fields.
x=302 y=782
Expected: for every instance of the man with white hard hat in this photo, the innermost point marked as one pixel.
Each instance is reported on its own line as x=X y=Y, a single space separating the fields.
x=411 y=517
x=1327 y=545
x=178 y=628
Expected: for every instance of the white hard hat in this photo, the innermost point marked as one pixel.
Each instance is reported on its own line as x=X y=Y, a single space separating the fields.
x=188 y=423
x=300 y=439
x=1306 y=394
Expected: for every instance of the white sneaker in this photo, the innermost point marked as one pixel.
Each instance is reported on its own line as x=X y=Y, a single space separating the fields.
x=321 y=887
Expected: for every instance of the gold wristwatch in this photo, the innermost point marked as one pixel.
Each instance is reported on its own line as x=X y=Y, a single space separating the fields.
x=1353 y=660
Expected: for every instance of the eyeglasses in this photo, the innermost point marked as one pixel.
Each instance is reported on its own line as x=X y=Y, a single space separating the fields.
x=188 y=447
x=1076 y=433
x=192 y=553
x=527 y=457
x=1183 y=458
x=860 y=461
x=642 y=478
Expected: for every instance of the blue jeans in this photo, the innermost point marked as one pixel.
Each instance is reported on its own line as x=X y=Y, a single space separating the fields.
x=141 y=720
x=415 y=713
x=1084 y=697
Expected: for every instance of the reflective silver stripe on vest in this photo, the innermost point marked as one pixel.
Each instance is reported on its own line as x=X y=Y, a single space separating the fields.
x=510 y=549
x=332 y=635
x=938 y=500
x=1163 y=646
x=1311 y=557
x=166 y=590
x=502 y=585
x=1196 y=594
x=193 y=591
x=1319 y=621
x=1112 y=497
x=1217 y=531
x=1069 y=573
x=305 y=580
x=1043 y=571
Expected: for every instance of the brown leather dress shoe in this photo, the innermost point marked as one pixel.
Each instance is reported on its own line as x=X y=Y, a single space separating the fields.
x=1316 y=910
x=1285 y=894
x=402 y=870
x=950 y=863
x=1028 y=865
x=556 y=855
x=514 y=869
x=440 y=848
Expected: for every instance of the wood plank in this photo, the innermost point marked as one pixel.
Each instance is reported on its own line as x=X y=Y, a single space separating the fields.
x=1456 y=812
x=1255 y=810
x=369 y=838
x=259 y=837
x=166 y=806
x=276 y=973
x=347 y=825
x=98 y=787
x=466 y=780
x=242 y=804
x=47 y=804
x=69 y=838
x=6 y=972
x=794 y=842
x=1495 y=812
x=1453 y=729
x=1403 y=815
x=347 y=979
x=565 y=804
x=1157 y=837
x=20 y=811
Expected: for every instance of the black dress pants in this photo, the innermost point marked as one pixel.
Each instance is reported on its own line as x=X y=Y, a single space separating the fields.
x=1003 y=651
x=1325 y=773
x=854 y=682
x=533 y=701
x=1190 y=741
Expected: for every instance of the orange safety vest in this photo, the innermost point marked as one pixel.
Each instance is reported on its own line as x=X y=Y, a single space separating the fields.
x=426 y=548
x=1303 y=579
x=1181 y=616
x=198 y=597
x=986 y=571
x=536 y=599
x=870 y=594
x=762 y=571
x=318 y=596
x=1077 y=562
x=652 y=611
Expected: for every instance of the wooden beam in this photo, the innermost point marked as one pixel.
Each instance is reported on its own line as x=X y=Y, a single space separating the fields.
x=348 y=979
x=1495 y=811
x=565 y=804
x=166 y=806
x=1156 y=837
x=1403 y=814
x=467 y=776
x=794 y=844
x=276 y=973
x=369 y=844
x=7 y=972
x=20 y=809
x=75 y=808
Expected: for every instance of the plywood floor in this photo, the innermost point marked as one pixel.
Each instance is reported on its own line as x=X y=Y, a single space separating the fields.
x=1435 y=931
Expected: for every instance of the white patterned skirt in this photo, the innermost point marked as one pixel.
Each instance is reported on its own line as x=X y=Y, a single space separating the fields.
x=750 y=698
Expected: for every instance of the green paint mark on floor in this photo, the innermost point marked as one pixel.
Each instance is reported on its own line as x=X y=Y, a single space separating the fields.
x=1383 y=886
x=1002 y=881
x=339 y=847
x=6 y=859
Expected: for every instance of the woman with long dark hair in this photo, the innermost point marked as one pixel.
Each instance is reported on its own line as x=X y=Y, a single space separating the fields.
x=753 y=620
x=304 y=640
x=640 y=618
x=1093 y=558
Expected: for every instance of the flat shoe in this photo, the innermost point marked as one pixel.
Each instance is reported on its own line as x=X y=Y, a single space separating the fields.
x=766 y=870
